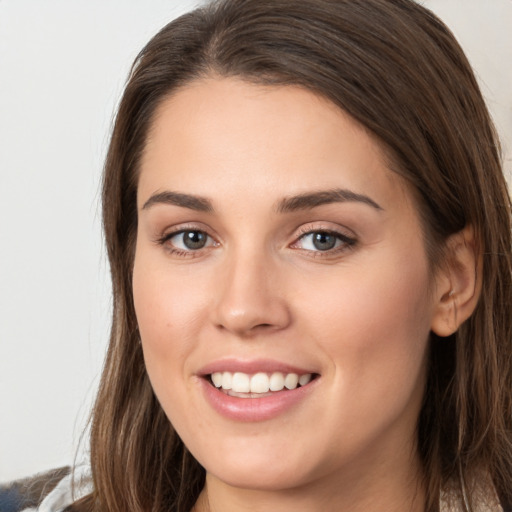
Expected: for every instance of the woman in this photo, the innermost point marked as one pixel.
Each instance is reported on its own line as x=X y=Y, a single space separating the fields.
x=309 y=236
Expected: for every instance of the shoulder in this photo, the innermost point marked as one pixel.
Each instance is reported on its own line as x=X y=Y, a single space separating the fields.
x=483 y=497
x=51 y=491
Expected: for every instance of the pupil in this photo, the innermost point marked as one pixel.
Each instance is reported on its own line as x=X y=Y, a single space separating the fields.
x=194 y=239
x=324 y=241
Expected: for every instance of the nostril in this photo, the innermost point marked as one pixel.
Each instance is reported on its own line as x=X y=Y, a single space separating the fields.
x=246 y=329
x=245 y=305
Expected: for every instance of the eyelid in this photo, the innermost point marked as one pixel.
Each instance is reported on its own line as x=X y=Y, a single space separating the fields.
x=347 y=237
x=170 y=230
x=167 y=235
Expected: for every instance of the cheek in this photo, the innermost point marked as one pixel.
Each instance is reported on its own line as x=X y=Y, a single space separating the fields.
x=169 y=315
x=164 y=304
x=374 y=324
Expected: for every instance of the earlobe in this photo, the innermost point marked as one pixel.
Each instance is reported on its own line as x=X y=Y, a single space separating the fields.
x=458 y=283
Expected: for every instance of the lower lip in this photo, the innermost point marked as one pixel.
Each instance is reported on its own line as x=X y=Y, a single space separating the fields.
x=255 y=409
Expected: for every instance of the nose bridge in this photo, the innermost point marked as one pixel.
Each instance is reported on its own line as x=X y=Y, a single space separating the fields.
x=250 y=298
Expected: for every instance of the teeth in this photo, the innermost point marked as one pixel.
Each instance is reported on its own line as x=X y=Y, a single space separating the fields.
x=304 y=379
x=258 y=383
x=217 y=379
x=276 y=381
x=291 y=381
x=227 y=379
x=241 y=383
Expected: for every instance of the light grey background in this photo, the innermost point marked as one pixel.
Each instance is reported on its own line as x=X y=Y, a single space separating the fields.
x=62 y=68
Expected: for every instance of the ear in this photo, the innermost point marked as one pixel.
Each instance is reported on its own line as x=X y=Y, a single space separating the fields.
x=458 y=283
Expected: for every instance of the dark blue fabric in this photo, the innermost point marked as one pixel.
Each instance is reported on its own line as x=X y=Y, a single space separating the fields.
x=29 y=492
x=10 y=500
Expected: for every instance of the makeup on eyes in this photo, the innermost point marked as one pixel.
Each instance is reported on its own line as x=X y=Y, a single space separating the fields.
x=349 y=222
x=327 y=242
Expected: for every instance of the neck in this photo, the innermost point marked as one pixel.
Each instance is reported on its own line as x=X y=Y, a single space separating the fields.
x=381 y=489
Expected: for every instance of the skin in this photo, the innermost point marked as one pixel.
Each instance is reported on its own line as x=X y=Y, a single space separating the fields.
x=358 y=315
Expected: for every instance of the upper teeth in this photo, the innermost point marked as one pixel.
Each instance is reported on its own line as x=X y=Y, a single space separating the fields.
x=259 y=382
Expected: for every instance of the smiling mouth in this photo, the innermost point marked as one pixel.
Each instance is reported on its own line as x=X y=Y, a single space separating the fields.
x=244 y=385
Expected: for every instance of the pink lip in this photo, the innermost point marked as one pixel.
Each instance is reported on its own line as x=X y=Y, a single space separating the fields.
x=259 y=408
x=251 y=367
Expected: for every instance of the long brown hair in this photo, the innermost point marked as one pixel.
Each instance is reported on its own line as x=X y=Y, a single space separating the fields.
x=396 y=69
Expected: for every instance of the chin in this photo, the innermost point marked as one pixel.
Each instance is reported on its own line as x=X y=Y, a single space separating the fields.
x=254 y=464
x=267 y=476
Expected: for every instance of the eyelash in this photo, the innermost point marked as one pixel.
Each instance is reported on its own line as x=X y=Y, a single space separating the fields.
x=175 y=251
x=344 y=242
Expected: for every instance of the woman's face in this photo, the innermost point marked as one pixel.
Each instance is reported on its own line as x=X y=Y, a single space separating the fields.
x=273 y=245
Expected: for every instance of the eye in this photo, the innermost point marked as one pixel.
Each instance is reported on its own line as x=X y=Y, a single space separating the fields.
x=188 y=240
x=324 y=241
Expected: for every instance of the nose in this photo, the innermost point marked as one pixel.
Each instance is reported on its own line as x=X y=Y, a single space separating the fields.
x=251 y=299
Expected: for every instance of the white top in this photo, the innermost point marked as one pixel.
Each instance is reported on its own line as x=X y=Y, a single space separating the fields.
x=65 y=492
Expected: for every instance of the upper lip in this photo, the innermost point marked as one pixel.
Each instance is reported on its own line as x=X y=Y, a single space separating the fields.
x=251 y=367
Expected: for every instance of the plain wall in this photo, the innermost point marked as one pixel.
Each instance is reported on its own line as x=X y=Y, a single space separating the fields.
x=62 y=68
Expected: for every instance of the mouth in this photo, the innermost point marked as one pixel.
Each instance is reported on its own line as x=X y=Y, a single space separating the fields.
x=258 y=385
x=256 y=390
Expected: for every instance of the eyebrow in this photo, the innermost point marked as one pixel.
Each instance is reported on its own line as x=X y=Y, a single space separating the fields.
x=312 y=200
x=200 y=204
x=289 y=204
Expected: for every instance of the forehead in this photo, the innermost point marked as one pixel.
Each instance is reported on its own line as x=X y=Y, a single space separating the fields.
x=277 y=140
